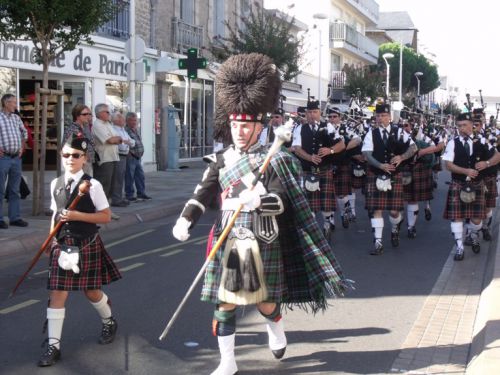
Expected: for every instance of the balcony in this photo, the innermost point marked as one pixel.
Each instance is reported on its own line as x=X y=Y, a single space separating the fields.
x=118 y=27
x=346 y=39
x=366 y=8
x=291 y=86
x=338 y=79
x=185 y=35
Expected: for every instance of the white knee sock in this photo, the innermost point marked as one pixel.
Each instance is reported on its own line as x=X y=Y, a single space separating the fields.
x=352 y=202
x=395 y=221
x=329 y=217
x=457 y=228
x=227 y=365
x=487 y=221
x=475 y=228
x=55 y=319
x=276 y=333
x=103 y=308
x=378 y=227
x=341 y=202
x=412 y=214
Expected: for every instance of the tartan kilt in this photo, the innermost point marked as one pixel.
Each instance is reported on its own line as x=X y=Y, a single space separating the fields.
x=456 y=209
x=96 y=267
x=274 y=273
x=490 y=182
x=343 y=180
x=391 y=200
x=324 y=199
x=421 y=186
x=358 y=182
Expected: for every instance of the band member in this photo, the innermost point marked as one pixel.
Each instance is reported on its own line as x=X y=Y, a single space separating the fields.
x=465 y=159
x=263 y=259
x=78 y=259
x=315 y=143
x=385 y=148
x=267 y=135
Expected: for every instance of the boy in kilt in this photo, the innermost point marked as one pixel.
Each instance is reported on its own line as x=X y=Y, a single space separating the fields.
x=385 y=148
x=465 y=158
x=263 y=261
x=78 y=259
x=314 y=144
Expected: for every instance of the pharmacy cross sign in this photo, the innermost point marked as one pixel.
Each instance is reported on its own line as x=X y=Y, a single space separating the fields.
x=192 y=63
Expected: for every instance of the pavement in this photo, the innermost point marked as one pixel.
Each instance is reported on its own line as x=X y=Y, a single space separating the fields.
x=456 y=332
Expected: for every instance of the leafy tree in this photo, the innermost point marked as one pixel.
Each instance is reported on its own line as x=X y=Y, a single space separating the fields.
x=367 y=81
x=54 y=26
x=262 y=32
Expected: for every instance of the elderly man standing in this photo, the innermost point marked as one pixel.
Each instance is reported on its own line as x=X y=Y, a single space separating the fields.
x=123 y=150
x=13 y=136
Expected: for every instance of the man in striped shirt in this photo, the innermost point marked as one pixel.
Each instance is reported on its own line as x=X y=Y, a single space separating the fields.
x=13 y=136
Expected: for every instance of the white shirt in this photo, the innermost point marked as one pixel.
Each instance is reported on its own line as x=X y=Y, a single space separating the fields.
x=102 y=131
x=123 y=148
x=449 y=152
x=368 y=141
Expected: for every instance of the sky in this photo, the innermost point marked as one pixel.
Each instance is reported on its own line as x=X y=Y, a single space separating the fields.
x=464 y=36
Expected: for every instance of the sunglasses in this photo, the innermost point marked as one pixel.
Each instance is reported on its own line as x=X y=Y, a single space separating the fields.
x=85 y=114
x=104 y=112
x=303 y=115
x=333 y=116
x=75 y=155
x=277 y=116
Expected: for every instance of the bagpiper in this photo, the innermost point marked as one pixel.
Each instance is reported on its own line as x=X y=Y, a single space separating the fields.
x=385 y=148
x=276 y=120
x=275 y=255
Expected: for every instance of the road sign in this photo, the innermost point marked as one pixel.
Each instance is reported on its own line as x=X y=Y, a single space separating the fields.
x=192 y=63
x=140 y=47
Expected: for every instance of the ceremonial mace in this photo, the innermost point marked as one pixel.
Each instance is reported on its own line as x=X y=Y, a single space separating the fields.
x=83 y=189
x=282 y=134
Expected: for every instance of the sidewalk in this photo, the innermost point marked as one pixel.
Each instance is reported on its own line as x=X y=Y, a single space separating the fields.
x=169 y=190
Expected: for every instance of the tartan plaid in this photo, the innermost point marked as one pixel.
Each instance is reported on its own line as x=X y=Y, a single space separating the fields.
x=491 y=191
x=359 y=182
x=343 y=180
x=247 y=164
x=456 y=209
x=96 y=267
x=324 y=198
x=421 y=186
x=391 y=200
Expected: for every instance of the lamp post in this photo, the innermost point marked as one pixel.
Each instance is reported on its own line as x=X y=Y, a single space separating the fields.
x=417 y=75
x=319 y=16
x=386 y=56
x=498 y=110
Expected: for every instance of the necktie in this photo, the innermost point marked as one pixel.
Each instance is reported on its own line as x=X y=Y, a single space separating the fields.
x=384 y=137
x=67 y=188
x=467 y=147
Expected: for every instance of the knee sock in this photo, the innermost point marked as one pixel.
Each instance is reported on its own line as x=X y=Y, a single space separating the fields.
x=395 y=222
x=103 y=308
x=352 y=202
x=475 y=228
x=341 y=202
x=457 y=228
x=378 y=227
x=55 y=318
x=428 y=205
x=275 y=329
x=412 y=214
x=487 y=221
x=329 y=217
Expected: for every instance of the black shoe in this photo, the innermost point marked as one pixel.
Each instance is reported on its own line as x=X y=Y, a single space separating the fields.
x=428 y=214
x=476 y=248
x=108 y=332
x=412 y=232
x=379 y=249
x=144 y=196
x=278 y=354
x=459 y=254
x=468 y=240
x=19 y=223
x=3 y=225
x=395 y=239
x=345 y=221
x=486 y=234
x=132 y=199
x=50 y=357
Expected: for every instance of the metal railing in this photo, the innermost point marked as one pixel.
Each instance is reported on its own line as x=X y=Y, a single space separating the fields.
x=338 y=79
x=118 y=27
x=185 y=35
x=341 y=32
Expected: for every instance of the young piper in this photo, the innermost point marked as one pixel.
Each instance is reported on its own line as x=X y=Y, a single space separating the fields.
x=78 y=260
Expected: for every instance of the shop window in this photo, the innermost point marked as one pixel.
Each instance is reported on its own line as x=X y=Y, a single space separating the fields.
x=117 y=95
x=8 y=81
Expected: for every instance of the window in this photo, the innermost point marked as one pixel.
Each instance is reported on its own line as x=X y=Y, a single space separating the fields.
x=219 y=27
x=187 y=11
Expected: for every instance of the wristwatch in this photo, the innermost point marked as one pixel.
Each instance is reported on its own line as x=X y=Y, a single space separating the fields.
x=488 y=163
x=332 y=151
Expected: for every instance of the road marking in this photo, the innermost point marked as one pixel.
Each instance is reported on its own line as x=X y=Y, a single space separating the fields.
x=173 y=252
x=41 y=272
x=129 y=238
x=157 y=250
x=19 y=306
x=131 y=267
x=201 y=242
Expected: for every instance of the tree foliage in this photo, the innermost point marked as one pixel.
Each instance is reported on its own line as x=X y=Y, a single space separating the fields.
x=367 y=81
x=262 y=32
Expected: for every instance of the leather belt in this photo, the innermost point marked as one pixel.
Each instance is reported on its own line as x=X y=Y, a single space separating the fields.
x=13 y=155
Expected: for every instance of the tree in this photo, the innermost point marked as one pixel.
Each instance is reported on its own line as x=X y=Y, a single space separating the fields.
x=364 y=81
x=263 y=32
x=54 y=26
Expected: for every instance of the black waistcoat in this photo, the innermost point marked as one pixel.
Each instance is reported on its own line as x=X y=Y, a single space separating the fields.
x=75 y=229
x=479 y=153
x=311 y=143
x=395 y=146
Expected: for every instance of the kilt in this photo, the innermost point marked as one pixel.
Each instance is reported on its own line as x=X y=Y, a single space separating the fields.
x=358 y=182
x=96 y=267
x=456 y=209
x=274 y=273
x=343 y=180
x=391 y=200
x=421 y=186
x=490 y=182
x=324 y=199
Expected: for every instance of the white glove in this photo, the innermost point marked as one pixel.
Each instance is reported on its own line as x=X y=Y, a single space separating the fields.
x=181 y=229
x=250 y=199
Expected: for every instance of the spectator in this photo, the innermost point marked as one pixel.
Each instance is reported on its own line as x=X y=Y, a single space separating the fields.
x=134 y=174
x=123 y=149
x=13 y=136
x=80 y=128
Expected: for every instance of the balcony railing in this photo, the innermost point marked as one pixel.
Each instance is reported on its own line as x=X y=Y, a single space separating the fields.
x=185 y=35
x=341 y=32
x=118 y=27
x=338 y=79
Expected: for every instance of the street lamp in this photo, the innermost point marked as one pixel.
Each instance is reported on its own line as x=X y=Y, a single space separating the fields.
x=498 y=110
x=386 y=56
x=319 y=16
x=417 y=75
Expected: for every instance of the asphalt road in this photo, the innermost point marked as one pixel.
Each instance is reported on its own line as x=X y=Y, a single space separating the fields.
x=358 y=334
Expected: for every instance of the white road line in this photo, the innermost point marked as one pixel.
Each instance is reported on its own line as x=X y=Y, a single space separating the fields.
x=201 y=242
x=41 y=272
x=19 y=306
x=129 y=238
x=157 y=250
x=173 y=252
x=131 y=267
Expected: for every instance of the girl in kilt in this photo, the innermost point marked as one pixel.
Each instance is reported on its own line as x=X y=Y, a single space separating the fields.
x=78 y=259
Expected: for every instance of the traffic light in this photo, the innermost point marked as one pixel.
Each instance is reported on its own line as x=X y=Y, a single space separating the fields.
x=192 y=63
